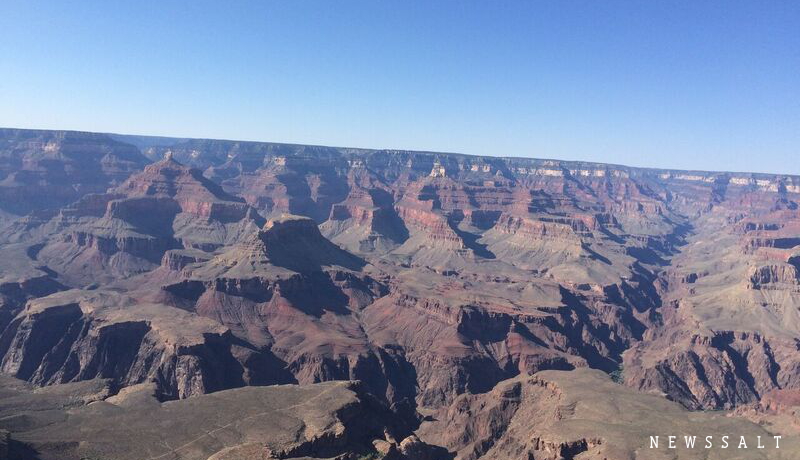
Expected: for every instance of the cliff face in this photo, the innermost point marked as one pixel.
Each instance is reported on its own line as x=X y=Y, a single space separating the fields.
x=429 y=277
x=74 y=336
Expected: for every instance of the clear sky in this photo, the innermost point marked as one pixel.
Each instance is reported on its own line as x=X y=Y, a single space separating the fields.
x=683 y=84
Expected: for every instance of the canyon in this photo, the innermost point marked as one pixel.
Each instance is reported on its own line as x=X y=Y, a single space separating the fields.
x=357 y=303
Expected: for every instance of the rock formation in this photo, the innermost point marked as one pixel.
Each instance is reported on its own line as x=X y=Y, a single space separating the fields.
x=447 y=285
x=327 y=420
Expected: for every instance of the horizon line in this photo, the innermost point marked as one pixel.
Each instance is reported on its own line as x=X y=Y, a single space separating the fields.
x=374 y=149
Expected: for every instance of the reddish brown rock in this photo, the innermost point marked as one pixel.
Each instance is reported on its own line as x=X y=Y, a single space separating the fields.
x=433 y=278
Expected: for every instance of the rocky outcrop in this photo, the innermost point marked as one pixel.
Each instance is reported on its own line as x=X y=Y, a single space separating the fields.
x=55 y=340
x=329 y=420
x=459 y=349
x=721 y=370
x=177 y=260
x=188 y=188
x=581 y=413
x=765 y=276
x=366 y=221
x=292 y=291
x=128 y=230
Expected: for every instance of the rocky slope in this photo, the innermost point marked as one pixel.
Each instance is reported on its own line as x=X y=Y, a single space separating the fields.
x=731 y=318
x=83 y=420
x=128 y=229
x=434 y=279
x=581 y=414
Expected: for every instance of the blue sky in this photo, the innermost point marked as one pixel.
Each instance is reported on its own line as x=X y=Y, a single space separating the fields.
x=682 y=84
